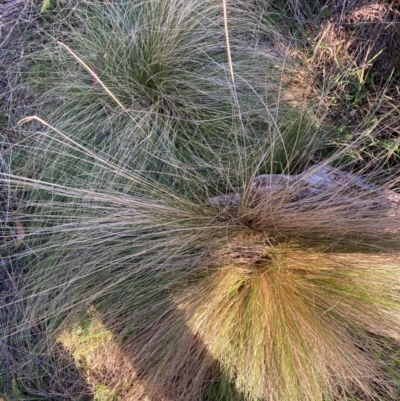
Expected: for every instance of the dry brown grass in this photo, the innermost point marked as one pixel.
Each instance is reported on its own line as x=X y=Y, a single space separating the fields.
x=362 y=36
x=354 y=51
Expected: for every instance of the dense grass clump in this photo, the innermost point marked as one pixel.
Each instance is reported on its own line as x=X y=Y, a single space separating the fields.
x=157 y=81
x=142 y=208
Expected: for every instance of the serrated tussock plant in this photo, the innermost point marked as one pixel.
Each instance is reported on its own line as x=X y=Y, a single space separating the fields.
x=285 y=294
x=168 y=74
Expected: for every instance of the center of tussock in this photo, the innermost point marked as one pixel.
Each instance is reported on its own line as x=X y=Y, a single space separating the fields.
x=252 y=252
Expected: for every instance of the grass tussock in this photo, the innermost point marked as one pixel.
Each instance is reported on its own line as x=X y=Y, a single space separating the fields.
x=276 y=318
x=291 y=292
x=165 y=92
